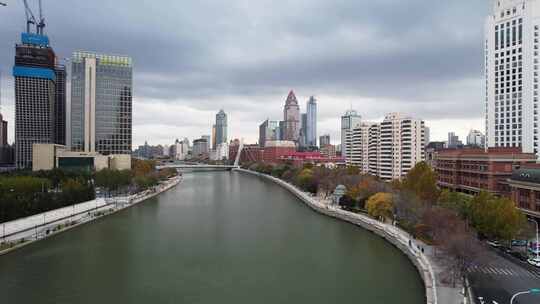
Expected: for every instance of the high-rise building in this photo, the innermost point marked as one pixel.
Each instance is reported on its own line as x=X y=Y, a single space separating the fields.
x=268 y=131
x=221 y=127
x=311 y=122
x=3 y=131
x=476 y=138
x=302 y=140
x=182 y=149
x=324 y=140
x=453 y=141
x=200 y=147
x=101 y=103
x=291 y=118
x=511 y=74
x=401 y=145
x=281 y=130
x=214 y=137
x=348 y=122
x=388 y=150
x=60 y=106
x=359 y=148
x=427 y=135
x=35 y=95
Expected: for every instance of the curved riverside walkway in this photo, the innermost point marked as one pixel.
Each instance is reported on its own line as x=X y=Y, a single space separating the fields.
x=430 y=268
x=24 y=231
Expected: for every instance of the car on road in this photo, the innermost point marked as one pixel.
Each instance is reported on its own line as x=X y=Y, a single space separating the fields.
x=519 y=243
x=519 y=255
x=494 y=244
x=535 y=261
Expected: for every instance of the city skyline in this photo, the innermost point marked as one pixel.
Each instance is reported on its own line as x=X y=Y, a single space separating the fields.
x=250 y=99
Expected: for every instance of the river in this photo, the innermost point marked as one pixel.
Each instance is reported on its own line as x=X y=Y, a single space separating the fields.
x=218 y=237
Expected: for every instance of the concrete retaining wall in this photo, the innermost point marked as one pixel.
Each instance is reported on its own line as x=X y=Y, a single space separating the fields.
x=392 y=234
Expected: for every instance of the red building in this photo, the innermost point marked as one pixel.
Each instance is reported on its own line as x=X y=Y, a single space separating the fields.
x=250 y=153
x=315 y=158
x=471 y=170
x=525 y=190
x=275 y=150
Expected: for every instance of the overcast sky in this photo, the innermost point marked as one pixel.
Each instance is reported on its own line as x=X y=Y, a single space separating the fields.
x=423 y=58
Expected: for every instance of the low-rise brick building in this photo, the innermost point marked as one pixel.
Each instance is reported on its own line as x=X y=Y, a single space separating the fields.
x=525 y=190
x=471 y=170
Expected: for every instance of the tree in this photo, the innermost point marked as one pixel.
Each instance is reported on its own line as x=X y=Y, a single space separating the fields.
x=346 y=202
x=142 y=167
x=306 y=181
x=353 y=170
x=422 y=181
x=409 y=210
x=456 y=239
x=459 y=202
x=496 y=217
x=380 y=205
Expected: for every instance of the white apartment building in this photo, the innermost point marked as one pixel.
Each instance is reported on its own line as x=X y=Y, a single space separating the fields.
x=182 y=149
x=511 y=74
x=359 y=148
x=388 y=150
x=476 y=138
x=348 y=122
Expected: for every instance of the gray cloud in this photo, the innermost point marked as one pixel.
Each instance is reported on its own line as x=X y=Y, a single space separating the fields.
x=421 y=57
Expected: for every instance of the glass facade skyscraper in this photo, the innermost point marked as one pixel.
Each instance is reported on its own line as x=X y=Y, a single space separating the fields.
x=311 y=122
x=221 y=128
x=101 y=103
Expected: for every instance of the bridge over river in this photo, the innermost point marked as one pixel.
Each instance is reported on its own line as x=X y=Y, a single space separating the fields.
x=218 y=237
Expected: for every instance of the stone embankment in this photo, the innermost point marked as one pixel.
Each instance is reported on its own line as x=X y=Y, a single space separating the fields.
x=428 y=267
x=21 y=232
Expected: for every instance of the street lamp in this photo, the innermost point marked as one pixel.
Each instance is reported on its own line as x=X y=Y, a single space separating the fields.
x=537 y=244
x=530 y=291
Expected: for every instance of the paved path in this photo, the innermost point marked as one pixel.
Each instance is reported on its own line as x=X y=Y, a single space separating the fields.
x=42 y=225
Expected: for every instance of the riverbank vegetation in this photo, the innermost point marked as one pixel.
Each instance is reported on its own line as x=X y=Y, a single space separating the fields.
x=24 y=193
x=451 y=221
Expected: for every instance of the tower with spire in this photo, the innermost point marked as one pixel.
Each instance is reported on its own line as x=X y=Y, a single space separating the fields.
x=291 y=118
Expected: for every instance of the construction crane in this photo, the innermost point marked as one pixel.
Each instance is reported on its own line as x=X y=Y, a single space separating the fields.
x=41 y=24
x=31 y=19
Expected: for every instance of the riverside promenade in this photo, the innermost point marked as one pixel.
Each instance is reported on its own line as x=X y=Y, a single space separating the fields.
x=430 y=267
x=24 y=231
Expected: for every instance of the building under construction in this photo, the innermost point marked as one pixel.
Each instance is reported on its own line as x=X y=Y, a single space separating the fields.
x=40 y=100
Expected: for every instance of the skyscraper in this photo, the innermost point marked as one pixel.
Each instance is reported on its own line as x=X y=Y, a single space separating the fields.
x=453 y=140
x=35 y=96
x=511 y=74
x=324 y=140
x=221 y=127
x=268 y=131
x=476 y=138
x=3 y=131
x=291 y=118
x=427 y=135
x=214 y=145
x=348 y=122
x=60 y=106
x=101 y=103
x=302 y=139
x=311 y=122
